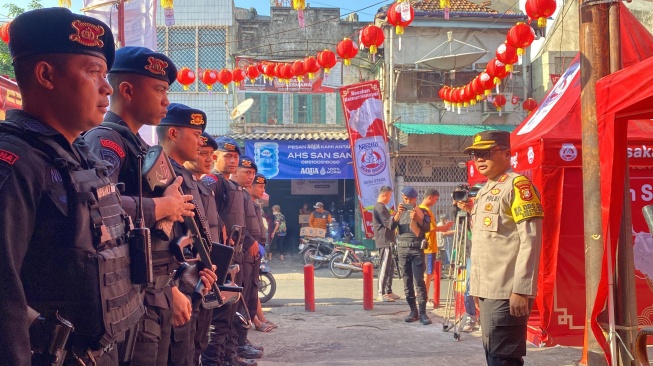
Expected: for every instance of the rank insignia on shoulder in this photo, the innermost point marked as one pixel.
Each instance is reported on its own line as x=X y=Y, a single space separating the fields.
x=8 y=157
x=503 y=178
x=489 y=207
x=495 y=191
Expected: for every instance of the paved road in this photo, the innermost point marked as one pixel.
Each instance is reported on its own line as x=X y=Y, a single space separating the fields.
x=340 y=332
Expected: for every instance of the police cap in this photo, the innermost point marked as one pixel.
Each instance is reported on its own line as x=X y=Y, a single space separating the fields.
x=144 y=61
x=247 y=162
x=208 y=141
x=227 y=144
x=260 y=179
x=184 y=116
x=58 y=30
x=488 y=139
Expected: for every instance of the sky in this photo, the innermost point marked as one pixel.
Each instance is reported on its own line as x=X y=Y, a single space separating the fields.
x=262 y=6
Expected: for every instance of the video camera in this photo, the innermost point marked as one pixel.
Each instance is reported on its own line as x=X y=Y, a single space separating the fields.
x=463 y=192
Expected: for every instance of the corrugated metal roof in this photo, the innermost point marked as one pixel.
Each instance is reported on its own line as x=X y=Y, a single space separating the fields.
x=292 y=136
x=448 y=129
x=457 y=6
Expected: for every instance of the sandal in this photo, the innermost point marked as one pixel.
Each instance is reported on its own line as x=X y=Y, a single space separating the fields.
x=281 y=257
x=264 y=327
x=274 y=326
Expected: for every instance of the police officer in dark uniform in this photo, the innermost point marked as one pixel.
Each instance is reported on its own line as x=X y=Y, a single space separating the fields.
x=62 y=230
x=140 y=80
x=257 y=191
x=244 y=176
x=179 y=134
x=222 y=348
x=413 y=224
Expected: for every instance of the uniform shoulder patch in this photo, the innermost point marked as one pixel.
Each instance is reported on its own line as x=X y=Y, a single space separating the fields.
x=526 y=200
x=113 y=146
x=8 y=157
x=209 y=179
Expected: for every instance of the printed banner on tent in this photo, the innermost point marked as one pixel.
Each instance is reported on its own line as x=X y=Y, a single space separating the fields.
x=363 y=109
x=301 y=159
x=140 y=23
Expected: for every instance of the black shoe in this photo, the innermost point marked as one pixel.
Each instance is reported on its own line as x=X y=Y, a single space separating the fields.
x=239 y=361
x=249 y=352
x=424 y=319
x=256 y=347
x=412 y=316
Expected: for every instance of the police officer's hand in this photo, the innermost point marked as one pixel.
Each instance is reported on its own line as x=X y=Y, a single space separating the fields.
x=173 y=205
x=518 y=305
x=181 y=308
x=253 y=250
x=208 y=277
x=465 y=206
x=401 y=208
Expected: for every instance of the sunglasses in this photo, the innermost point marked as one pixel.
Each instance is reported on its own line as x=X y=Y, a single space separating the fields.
x=482 y=154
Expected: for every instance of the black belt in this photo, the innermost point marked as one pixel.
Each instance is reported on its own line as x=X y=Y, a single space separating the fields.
x=409 y=244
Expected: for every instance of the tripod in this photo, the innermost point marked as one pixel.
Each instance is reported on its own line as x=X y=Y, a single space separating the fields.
x=457 y=274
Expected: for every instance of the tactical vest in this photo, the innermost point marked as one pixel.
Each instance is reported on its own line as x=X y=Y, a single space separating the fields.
x=259 y=216
x=251 y=219
x=233 y=212
x=88 y=281
x=211 y=210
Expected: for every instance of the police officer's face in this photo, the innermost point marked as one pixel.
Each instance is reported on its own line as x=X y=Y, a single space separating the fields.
x=258 y=190
x=187 y=143
x=80 y=90
x=149 y=99
x=244 y=176
x=204 y=161
x=493 y=162
x=226 y=162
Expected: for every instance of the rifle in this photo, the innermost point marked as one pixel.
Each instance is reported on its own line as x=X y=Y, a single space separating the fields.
x=49 y=337
x=195 y=246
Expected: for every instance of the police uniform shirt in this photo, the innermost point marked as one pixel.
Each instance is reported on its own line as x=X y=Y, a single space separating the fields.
x=506 y=238
x=120 y=152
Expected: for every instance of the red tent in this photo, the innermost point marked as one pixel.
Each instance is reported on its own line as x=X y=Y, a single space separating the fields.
x=547 y=148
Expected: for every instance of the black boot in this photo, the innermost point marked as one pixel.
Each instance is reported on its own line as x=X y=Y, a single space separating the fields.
x=412 y=316
x=423 y=318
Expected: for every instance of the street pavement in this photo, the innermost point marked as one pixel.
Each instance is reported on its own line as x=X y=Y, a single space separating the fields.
x=340 y=332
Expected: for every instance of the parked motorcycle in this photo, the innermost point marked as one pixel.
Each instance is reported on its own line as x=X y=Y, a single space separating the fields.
x=268 y=285
x=348 y=258
x=316 y=251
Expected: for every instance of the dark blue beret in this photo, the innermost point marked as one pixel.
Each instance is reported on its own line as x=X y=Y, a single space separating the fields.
x=409 y=192
x=228 y=144
x=247 y=162
x=260 y=179
x=58 y=30
x=144 y=61
x=184 y=116
x=208 y=140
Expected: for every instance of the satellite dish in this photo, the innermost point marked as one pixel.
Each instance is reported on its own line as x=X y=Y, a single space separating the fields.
x=242 y=108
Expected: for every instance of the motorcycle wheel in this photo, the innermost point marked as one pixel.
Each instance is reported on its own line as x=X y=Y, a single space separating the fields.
x=268 y=287
x=307 y=258
x=339 y=272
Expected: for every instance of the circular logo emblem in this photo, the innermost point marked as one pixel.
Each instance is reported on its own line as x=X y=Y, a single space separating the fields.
x=531 y=155
x=477 y=139
x=568 y=152
x=371 y=160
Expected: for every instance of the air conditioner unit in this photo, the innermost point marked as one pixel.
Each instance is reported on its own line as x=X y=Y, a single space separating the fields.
x=488 y=106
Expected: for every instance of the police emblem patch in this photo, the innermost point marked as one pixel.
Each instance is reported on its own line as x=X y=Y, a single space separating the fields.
x=477 y=139
x=8 y=157
x=156 y=66
x=495 y=191
x=87 y=34
x=196 y=119
x=260 y=180
x=204 y=140
x=487 y=221
x=525 y=192
x=503 y=178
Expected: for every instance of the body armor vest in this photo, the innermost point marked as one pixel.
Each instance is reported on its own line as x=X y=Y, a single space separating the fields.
x=233 y=212
x=211 y=210
x=251 y=219
x=87 y=279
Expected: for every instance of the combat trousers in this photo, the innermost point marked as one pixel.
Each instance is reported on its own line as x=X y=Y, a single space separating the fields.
x=250 y=288
x=201 y=339
x=411 y=263
x=181 y=342
x=219 y=330
x=386 y=271
x=238 y=334
x=504 y=335
x=153 y=338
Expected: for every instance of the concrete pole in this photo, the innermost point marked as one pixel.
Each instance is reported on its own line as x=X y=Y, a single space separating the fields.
x=594 y=65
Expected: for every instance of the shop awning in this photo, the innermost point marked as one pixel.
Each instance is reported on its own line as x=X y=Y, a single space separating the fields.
x=448 y=129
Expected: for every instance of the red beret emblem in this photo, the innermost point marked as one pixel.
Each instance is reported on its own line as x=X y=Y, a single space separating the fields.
x=87 y=34
x=204 y=140
x=156 y=66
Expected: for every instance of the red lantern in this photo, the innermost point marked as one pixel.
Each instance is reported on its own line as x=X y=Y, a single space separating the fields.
x=497 y=70
x=470 y=94
x=209 y=77
x=4 y=32
x=372 y=37
x=499 y=101
x=346 y=50
x=507 y=54
x=252 y=73
x=487 y=82
x=185 y=77
x=529 y=104
x=224 y=77
x=268 y=70
x=299 y=70
x=261 y=67
x=400 y=15
x=540 y=10
x=278 y=73
x=311 y=66
x=326 y=59
x=477 y=88
x=238 y=75
x=285 y=73
x=520 y=36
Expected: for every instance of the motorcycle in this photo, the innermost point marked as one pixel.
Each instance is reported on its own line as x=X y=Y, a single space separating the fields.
x=349 y=258
x=316 y=251
x=267 y=283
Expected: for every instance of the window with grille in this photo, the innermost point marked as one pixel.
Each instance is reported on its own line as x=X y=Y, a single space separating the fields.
x=309 y=108
x=267 y=108
x=196 y=47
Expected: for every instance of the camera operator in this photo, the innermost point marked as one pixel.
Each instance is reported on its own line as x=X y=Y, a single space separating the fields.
x=506 y=238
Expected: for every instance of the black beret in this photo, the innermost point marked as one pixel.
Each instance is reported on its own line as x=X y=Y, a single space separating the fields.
x=228 y=144
x=184 y=116
x=144 y=61
x=247 y=162
x=58 y=30
x=208 y=140
x=488 y=139
x=260 y=179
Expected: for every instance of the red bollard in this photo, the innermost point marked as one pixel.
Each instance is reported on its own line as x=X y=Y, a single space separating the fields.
x=437 y=275
x=368 y=286
x=309 y=288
